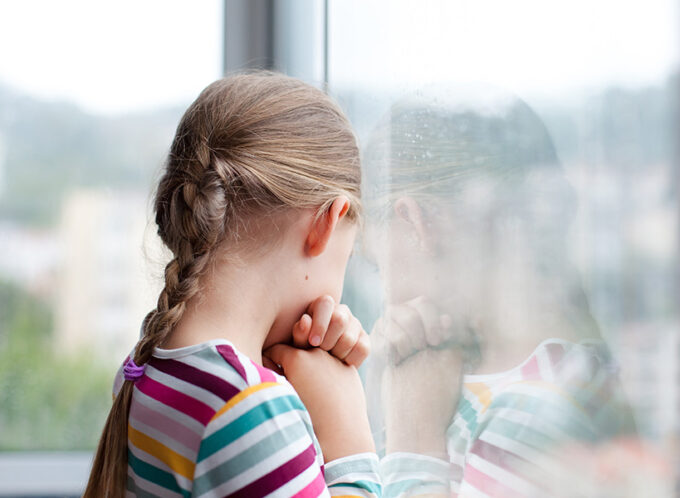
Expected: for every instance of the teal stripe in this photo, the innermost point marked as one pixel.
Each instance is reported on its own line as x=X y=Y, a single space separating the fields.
x=249 y=457
x=155 y=475
x=373 y=487
x=401 y=487
x=522 y=433
x=565 y=417
x=406 y=464
x=469 y=414
x=139 y=492
x=266 y=410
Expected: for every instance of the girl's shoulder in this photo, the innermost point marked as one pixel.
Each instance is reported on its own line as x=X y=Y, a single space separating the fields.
x=219 y=357
x=215 y=368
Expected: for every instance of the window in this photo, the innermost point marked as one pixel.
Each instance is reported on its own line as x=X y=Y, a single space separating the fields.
x=90 y=94
x=529 y=148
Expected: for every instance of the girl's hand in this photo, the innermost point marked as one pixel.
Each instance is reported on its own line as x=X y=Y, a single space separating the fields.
x=416 y=325
x=423 y=353
x=333 y=395
x=333 y=328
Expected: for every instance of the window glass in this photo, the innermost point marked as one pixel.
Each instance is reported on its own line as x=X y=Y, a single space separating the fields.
x=521 y=172
x=90 y=93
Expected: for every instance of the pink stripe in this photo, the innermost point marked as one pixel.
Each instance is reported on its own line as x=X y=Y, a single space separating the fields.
x=266 y=375
x=175 y=399
x=487 y=484
x=506 y=460
x=530 y=370
x=314 y=488
x=279 y=476
x=169 y=427
x=231 y=357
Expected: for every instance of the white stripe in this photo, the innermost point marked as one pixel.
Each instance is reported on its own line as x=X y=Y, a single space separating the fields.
x=150 y=459
x=252 y=374
x=539 y=459
x=536 y=423
x=198 y=393
x=218 y=367
x=505 y=478
x=163 y=438
x=354 y=476
x=545 y=366
x=261 y=469
x=466 y=490
x=180 y=417
x=271 y=426
x=246 y=404
x=473 y=399
x=298 y=483
x=149 y=486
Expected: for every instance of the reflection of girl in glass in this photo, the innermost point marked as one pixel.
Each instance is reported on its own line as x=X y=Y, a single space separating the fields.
x=493 y=370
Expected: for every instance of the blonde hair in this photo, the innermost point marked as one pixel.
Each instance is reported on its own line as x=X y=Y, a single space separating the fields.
x=249 y=144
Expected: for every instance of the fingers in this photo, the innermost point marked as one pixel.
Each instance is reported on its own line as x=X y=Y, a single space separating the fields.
x=333 y=328
x=341 y=319
x=433 y=323
x=404 y=333
x=301 y=331
x=321 y=310
x=360 y=351
x=416 y=325
x=281 y=354
x=347 y=338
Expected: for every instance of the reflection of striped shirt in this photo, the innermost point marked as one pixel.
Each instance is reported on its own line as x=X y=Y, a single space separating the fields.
x=515 y=433
x=207 y=421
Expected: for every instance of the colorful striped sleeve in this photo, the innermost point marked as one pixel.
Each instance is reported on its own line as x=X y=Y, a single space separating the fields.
x=259 y=444
x=354 y=476
x=412 y=474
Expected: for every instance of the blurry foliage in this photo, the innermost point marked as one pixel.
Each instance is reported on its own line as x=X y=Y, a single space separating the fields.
x=50 y=147
x=47 y=400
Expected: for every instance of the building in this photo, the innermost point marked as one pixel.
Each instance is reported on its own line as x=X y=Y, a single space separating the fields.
x=107 y=281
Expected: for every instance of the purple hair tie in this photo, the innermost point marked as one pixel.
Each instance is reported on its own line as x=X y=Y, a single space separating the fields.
x=131 y=371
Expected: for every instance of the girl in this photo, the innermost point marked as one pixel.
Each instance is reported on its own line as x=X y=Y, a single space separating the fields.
x=259 y=204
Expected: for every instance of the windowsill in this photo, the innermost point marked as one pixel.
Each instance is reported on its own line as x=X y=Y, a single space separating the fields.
x=44 y=473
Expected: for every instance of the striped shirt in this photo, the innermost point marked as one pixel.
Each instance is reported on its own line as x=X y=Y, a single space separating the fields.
x=207 y=421
x=515 y=433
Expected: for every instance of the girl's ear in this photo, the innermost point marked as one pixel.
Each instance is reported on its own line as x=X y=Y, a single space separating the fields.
x=322 y=228
x=408 y=211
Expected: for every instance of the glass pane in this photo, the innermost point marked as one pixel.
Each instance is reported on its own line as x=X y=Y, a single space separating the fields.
x=90 y=93
x=521 y=175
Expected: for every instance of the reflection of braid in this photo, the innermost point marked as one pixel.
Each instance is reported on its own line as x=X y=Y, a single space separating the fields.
x=190 y=213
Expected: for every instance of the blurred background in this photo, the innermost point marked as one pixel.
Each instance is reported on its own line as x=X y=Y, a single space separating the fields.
x=90 y=94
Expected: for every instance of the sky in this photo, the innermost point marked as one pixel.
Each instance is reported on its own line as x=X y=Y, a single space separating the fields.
x=115 y=57
x=529 y=46
x=111 y=57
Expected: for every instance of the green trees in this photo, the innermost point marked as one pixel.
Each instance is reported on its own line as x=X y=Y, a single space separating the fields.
x=47 y=400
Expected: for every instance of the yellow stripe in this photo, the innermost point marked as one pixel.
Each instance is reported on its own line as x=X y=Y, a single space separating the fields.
x=182 y=465
x=243 y=395
x=482 y=392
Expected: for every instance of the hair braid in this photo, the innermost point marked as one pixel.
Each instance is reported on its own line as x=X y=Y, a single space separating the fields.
x=191 y=220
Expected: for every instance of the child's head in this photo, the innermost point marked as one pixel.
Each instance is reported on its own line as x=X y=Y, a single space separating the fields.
x=251 y=155
x=460 y=178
